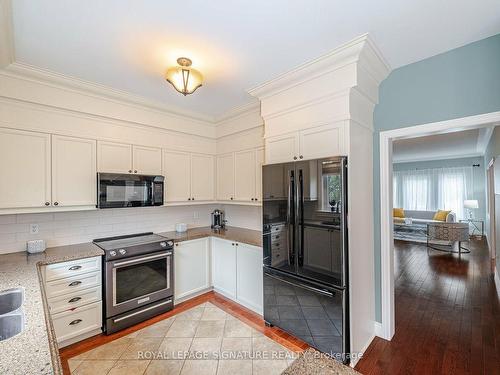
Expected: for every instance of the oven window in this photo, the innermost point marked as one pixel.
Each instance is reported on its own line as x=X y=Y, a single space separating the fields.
x=138 y=280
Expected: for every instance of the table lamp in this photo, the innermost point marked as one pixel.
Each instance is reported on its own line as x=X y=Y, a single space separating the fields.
x=471 y=204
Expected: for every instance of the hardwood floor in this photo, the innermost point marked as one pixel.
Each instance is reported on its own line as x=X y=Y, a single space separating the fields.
x=243 y=314
x=447 y=315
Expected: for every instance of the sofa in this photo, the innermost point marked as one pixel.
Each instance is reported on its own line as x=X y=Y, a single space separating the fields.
x=424 y=217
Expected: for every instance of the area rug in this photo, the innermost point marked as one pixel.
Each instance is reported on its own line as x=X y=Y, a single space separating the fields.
x=312 y=362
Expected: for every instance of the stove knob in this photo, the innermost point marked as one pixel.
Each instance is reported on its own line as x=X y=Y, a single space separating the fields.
x=163 y=244
x=122 y=251
x=170 y=243
x=112 y=253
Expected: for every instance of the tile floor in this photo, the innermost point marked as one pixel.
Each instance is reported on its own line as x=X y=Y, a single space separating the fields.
x=204 y=340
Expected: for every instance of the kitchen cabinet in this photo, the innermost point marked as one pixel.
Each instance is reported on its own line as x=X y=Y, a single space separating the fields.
x=274 y=182
x=125 y=158
x=237 y=272
x=224 y=267
x=188 y=177
x=73 y=171
x=249 y=282
x=202 y=177
x=311 y=143
x=25 y=169
x=244 y=175
x=225 y=177
x=259 y=161
x=191 y=267
x=146 y=160
x=57 y=171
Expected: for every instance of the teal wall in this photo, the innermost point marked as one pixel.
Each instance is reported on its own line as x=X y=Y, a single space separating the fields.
x=478 y=175
x=458 y=83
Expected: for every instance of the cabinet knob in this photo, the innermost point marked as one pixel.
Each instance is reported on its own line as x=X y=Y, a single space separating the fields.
x=252 y=198
x=301 y=157
x=236 y=244
x=47 y=203
x=256 y=199
x=130 y=171
x=231 y=198
x=56 y=204
x=192 y=199
x=135 y=171
x=189 y=199
x=294 y=158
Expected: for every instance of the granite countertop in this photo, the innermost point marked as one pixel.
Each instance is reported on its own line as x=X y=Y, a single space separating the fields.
x=35 y=351
x=247 y=236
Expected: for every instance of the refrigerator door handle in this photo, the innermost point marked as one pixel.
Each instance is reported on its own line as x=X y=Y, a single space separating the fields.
x=291 y=218
x=300 y=215
x=310 y=288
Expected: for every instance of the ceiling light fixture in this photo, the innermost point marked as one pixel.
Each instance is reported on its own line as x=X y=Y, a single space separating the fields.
x=184 y=78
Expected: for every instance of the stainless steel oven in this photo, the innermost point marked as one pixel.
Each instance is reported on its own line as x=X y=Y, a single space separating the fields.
x=138 y=278
x=126 y=190
x=137 y=281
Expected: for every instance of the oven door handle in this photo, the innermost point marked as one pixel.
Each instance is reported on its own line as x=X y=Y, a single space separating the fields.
x=132 y=261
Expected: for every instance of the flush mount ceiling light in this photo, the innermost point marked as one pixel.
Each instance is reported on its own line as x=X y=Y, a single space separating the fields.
x=184 y=78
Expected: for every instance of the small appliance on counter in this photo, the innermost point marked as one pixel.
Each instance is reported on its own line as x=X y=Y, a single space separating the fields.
x=181 y=227
x=218 y=221
x=138 y=278
x=35 y=246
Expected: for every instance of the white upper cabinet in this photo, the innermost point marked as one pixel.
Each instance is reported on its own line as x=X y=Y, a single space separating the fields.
x=259 y=161
x=244 y=175
x=73 y=171
x=114 y=157
x=282 y=148
x=146 y=160
x=124 y=158
x=311 y=143
x=24 y=169
x=177 y=172
x=225 y=177
x=202 y=177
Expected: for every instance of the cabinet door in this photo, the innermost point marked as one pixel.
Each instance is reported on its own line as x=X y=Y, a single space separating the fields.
x=322 y=141
x=177 y=172
x=24 y=169
x=224 y=267
x=274 y=181
x=114 y=157
x=73 y=171
x=259 y=161
x=282 y=148
x=225 y=177
x=249 y=277
x=244 y=175
x=202 y=177
x=147 y=160
x=192 y=272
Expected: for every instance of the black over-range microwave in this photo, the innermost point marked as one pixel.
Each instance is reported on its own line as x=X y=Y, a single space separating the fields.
x=116 y=190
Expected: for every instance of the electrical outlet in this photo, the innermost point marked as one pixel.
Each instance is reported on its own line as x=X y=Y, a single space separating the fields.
x=34 y=228
x=196 y=215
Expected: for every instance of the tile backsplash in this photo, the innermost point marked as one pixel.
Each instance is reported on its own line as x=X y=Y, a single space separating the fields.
x=64 y=228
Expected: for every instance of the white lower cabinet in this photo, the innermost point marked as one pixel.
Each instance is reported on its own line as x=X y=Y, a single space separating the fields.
x=191 y=267
x=224 y=267
x=249 y=280
x=237 y=272
x=74 y=296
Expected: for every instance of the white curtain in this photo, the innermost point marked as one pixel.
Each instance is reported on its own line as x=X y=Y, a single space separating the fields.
x=433 y=189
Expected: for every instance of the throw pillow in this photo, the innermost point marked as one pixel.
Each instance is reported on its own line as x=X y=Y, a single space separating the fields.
x=398 y=212
x=441 y=215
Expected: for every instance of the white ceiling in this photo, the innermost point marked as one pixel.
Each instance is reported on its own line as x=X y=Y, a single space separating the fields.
x=441 y=146
x=236 y=44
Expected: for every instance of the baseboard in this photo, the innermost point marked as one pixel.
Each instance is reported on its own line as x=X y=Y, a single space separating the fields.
x=82 y=337
x=192 y=295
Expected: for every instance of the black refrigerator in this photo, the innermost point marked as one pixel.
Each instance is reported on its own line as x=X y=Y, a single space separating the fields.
x=305 y=252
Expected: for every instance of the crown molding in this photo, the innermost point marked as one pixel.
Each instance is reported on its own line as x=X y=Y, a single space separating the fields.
x=7 y=52
x=65 y=82
x=483 y=139
x=351 y=52
x=236 y=112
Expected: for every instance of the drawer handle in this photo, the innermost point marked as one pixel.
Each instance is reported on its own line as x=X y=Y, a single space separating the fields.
x=75 y=299
x=74 y=268
x=75 y=283
x=277 y=237
x=74 y=322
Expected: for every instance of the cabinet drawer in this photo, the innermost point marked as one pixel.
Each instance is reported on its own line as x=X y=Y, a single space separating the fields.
x=72 y=284
x=69 y=324
x=75 y=299
x=74 y=267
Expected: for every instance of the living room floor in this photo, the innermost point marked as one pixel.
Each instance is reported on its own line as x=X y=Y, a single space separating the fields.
x=447 y=315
